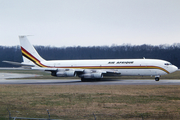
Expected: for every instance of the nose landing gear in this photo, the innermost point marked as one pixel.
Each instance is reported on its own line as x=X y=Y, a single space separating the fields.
x=157 y=78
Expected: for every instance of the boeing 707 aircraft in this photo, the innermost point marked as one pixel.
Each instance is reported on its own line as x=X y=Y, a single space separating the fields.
x=93 y=69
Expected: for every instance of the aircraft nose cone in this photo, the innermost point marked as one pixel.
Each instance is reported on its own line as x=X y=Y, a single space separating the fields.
x=174 y=68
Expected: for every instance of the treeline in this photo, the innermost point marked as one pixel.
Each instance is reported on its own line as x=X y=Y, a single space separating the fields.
x=166 y=52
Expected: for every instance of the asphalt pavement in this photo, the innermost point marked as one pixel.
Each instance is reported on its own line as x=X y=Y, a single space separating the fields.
x=6 y=78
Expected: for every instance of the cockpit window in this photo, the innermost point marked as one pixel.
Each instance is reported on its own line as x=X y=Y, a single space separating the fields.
x=167 y=64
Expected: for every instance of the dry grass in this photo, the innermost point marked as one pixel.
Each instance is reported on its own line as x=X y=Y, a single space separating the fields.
x=128 y=102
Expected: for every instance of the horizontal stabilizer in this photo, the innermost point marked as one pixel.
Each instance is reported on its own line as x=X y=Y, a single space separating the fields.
x=18 y=64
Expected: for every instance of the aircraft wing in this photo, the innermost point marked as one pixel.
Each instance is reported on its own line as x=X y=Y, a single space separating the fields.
x=112 y=72
x=79 y=72
x=106 y=72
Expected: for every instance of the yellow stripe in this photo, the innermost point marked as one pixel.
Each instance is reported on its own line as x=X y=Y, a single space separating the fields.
x=32 y=59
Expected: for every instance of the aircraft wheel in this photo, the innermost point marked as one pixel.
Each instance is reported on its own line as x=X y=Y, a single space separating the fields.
x=84 y=80
x=98 y=79
x=156 y=78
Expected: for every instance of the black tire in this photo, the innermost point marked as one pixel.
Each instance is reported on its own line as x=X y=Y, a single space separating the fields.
x=156 y=78
x=98 y=79
x=84 y=80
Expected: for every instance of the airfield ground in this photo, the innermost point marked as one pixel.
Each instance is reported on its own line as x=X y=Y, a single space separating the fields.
x=125 y=102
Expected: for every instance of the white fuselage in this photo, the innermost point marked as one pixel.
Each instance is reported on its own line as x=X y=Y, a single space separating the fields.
x=94 y=69
x=142 y=67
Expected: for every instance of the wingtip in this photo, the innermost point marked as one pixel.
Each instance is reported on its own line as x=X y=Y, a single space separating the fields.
x=22 y=36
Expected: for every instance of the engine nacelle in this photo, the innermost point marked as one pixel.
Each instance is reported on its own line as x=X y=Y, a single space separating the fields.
x=65 y=74
x=93 y=75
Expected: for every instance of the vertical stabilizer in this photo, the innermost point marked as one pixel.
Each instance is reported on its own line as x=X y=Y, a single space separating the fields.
x=30 y=55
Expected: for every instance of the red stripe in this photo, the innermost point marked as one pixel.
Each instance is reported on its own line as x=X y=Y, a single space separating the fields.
x=29 y=54
x=36 y=60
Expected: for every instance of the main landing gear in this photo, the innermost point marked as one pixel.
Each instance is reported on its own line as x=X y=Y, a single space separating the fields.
x=90 y=79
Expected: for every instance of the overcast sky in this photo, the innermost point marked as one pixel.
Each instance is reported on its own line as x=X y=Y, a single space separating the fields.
x=90 y=22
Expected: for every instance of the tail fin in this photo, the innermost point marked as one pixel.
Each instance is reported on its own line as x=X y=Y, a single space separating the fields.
x=30 y=55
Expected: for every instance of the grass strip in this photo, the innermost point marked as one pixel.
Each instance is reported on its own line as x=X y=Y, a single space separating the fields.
x=115 y=102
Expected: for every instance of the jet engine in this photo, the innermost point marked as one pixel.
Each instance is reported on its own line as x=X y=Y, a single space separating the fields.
x=93 y=75
x=64 y=73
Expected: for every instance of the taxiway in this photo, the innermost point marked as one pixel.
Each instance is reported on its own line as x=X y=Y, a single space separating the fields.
x=4 y=79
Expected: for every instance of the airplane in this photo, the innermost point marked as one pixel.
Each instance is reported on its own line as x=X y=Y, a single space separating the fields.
x=95 y=69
